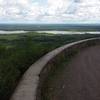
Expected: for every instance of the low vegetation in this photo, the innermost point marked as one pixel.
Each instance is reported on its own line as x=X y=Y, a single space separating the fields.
x=19 y=51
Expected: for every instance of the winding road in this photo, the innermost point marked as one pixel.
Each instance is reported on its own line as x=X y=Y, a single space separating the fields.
x=80 y=79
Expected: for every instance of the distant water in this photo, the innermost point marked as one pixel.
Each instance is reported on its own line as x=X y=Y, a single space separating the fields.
x=12 y=32
x=51 y=32
x=60 y=32
x=69 y=32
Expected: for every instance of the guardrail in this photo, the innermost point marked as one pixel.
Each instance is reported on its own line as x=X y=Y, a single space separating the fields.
x=29 y=88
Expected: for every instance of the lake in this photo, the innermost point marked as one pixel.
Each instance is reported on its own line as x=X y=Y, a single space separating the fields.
x=51 y=32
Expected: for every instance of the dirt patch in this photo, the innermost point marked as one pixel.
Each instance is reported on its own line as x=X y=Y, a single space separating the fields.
x=80 y=80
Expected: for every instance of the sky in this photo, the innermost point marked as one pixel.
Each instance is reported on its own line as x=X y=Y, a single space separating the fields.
x=49 y=11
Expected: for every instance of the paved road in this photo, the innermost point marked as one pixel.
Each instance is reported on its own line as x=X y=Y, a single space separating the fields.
x=80 y=80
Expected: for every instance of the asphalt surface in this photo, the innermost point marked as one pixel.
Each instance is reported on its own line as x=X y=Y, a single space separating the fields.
x=80 y=80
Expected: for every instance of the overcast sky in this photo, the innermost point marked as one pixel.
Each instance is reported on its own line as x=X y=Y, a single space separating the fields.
x=50 y=11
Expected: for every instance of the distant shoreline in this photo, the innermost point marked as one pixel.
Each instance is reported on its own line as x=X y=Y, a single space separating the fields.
x=50 y=27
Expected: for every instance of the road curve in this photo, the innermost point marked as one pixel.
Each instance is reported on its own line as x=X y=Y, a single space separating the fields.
x=35 y=75
x=80 y=80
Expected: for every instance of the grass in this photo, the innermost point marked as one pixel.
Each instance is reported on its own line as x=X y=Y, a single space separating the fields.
x=19 y=51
